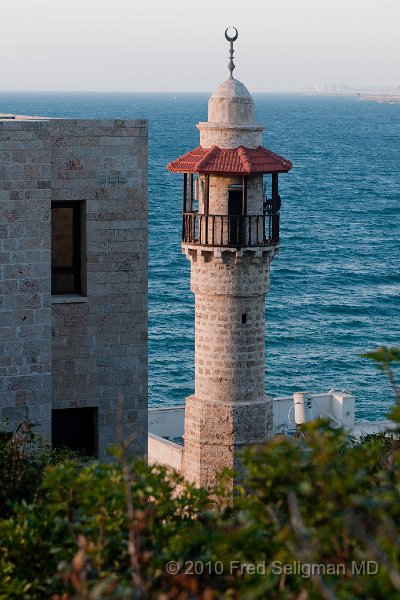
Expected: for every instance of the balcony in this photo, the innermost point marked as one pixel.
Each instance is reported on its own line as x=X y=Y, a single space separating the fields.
x=227 y=231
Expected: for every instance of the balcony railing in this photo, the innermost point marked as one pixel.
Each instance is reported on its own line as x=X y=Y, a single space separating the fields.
x=230 y=230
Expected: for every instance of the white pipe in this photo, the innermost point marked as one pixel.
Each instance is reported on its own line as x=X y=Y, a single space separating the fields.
x=302 y=408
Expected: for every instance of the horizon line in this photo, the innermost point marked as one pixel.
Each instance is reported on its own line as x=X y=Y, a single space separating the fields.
x=74 y=91
x=308 y=90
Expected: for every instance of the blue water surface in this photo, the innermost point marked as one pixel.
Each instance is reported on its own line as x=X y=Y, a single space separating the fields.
x=335 y=285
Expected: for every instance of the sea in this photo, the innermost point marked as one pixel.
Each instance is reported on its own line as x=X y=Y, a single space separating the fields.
x=335 y=285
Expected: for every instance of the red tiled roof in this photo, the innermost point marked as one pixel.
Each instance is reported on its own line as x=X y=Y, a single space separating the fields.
x=240 y=161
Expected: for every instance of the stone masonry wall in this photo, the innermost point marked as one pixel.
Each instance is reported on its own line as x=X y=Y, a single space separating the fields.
x=216 y=432
x=25 y=309
x=212 y=134
x=229 y=407
x=219 y=194
x=77 y=351
x=229 y=354
x=100 y=342
x=229 y=362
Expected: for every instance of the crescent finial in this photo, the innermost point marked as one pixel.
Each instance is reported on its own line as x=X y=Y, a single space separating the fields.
x=231 y=39
x=228 y=37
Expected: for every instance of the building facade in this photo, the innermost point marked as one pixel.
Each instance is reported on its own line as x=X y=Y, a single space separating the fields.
x=73 y=279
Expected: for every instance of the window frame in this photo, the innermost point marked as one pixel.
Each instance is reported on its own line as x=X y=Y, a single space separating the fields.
x=76 y=268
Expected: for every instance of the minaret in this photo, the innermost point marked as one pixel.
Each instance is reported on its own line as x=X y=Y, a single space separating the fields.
x=230 y=238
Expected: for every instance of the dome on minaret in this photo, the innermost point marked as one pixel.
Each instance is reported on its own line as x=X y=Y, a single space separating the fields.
x=231 y=104
x=231 y=118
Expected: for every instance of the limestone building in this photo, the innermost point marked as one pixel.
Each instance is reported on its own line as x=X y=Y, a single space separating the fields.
x=230 y=235
x=73 y=278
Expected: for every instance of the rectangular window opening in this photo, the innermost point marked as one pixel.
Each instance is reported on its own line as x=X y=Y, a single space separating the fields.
x=244 y=318
x=5 y=436
x=76 y=429
x=66 y=240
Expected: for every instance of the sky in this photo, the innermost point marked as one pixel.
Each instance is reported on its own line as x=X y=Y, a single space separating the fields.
x=179 y=45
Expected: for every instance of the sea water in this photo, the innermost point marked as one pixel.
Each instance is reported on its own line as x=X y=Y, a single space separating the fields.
x=335 y=284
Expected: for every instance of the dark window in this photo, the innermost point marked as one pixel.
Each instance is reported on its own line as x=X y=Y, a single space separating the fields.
x=76 y=429
x=66 y=247
x=235 y=205
x=244 y=318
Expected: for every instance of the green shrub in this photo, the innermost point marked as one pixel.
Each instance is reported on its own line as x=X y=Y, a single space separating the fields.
x=23 y=457
x=323 y=507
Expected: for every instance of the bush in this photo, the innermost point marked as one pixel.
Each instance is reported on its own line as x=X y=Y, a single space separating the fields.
x=309 y=517
x=23 y=457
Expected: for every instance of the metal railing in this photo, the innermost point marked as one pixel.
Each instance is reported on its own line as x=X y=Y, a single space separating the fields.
x=230 y=230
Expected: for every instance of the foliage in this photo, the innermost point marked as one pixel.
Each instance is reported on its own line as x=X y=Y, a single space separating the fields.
x=317 y=505
x=385 y=359
x=23 y=456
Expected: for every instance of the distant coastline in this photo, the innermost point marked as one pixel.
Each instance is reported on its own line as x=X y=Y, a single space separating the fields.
x=369 y=93
x=384 y=98
x=381 y=98
x=327 y=93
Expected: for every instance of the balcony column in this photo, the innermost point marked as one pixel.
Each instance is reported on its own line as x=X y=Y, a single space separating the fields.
x=244 y=201
x=243 y=234
x=184 y=196
x=207 y=206
x=191 y=192
x=275 y=209
x=207 y=195
x=184 y=192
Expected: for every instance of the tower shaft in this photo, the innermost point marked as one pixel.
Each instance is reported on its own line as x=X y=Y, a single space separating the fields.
x=229 y=408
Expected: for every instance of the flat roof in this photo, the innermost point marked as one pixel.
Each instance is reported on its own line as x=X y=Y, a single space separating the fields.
x=12 y=117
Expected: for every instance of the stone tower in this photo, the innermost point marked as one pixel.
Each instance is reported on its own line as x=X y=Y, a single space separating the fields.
x=230 y=234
